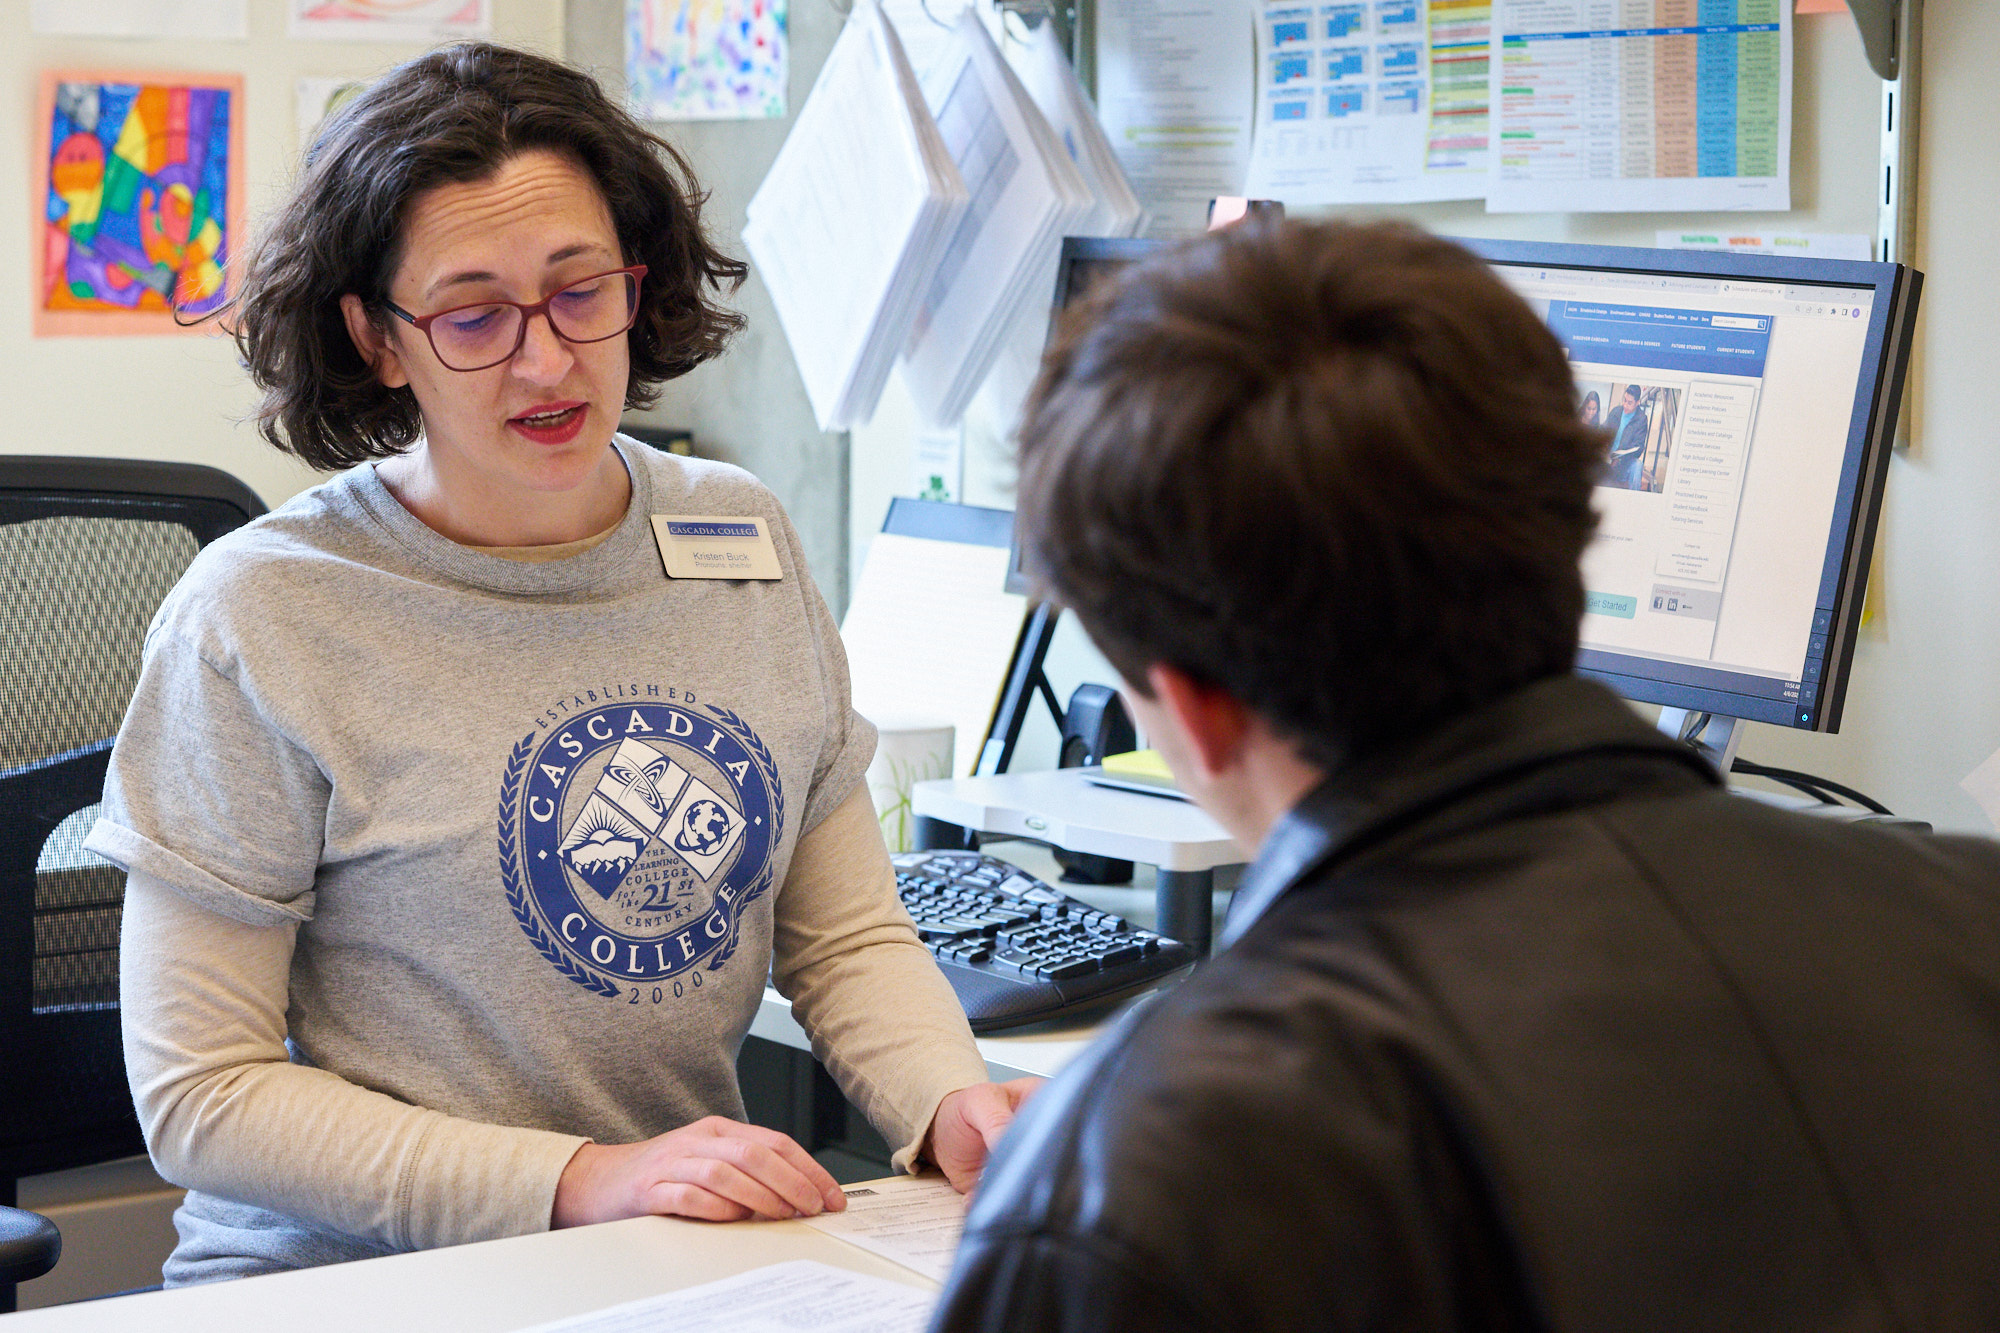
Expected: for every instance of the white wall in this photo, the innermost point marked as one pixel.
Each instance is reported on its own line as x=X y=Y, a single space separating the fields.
x=748 y=406
x=180 y=398
x=1924 y=705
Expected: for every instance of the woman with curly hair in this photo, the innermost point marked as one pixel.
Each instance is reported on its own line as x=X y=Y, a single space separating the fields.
x=465 y=809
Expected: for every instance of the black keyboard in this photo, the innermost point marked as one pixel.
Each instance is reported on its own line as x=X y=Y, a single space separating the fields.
x=1018 y=951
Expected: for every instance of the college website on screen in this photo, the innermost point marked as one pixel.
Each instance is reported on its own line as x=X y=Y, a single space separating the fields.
x=1725 y=456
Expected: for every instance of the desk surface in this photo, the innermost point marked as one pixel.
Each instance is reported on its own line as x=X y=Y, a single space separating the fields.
x=1040 y=1051
x=525 y=1280
x=492 y=1287
x=1063 y=807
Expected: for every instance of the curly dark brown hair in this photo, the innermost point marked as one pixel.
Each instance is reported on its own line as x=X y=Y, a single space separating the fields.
x=455 y=115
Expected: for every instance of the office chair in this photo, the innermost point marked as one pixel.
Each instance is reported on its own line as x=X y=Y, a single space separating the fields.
x=88 y=549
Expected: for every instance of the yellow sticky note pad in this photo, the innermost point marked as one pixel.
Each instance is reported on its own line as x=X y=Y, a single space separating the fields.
x=1139 y=764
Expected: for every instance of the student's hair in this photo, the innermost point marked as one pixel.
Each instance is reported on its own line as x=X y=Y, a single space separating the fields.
x=456 y=115
x=1336 y=470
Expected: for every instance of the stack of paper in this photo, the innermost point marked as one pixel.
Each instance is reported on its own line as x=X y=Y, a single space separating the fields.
x=1047 y=75
x=930 y=632
x=1027 y=194
x=850 y=225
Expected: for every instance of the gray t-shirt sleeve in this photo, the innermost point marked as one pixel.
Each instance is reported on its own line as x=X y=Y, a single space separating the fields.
x=849 y=742
x=207 y=795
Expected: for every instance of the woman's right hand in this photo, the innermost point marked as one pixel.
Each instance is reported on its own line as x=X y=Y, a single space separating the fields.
x=714 y=1169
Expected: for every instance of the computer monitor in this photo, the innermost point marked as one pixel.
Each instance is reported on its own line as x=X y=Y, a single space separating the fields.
x=1740 y=498
x=1084 y=260
x=1752 y=405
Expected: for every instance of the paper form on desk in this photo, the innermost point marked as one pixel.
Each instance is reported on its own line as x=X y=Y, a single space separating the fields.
x=779 y=1298
x=929 y=633
x=914 y=1221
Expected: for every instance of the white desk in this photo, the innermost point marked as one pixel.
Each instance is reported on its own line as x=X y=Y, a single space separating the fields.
x=1063 y=807
x=1039 y=1051
x=511 y=1284
x=492 y=1287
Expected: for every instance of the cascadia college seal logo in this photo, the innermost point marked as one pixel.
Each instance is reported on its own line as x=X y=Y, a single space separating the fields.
x=631 y=839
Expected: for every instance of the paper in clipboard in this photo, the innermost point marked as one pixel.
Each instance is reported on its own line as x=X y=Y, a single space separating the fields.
x=931 y=628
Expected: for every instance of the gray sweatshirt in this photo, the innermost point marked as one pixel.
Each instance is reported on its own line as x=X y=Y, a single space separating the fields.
x=443 y=862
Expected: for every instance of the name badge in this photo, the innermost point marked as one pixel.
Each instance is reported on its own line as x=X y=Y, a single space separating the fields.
x=715 y=546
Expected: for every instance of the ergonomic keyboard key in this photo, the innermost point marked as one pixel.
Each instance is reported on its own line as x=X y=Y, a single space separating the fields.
x=1068 y=971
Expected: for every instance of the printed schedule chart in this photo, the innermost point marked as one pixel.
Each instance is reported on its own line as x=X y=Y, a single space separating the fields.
x=1641 y=104
x=1372 y=100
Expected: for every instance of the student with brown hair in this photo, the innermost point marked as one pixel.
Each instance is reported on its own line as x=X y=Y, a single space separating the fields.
x=1520 y=1020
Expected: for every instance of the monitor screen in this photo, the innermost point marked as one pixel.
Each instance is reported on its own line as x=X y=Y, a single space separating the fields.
x=1751 y=405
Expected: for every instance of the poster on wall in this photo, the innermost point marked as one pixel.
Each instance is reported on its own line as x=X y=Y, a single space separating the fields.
x=421 y=21
x=706 y=59
x=319 y=98
x=204 y=20
x=139 y=206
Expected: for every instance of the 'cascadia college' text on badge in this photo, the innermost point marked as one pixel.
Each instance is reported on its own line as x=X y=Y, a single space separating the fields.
x=632 y=838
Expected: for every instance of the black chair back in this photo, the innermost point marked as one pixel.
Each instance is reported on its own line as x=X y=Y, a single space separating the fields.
x=88 y=549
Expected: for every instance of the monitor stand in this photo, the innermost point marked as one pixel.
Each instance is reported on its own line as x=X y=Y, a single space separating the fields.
x=1713 y=736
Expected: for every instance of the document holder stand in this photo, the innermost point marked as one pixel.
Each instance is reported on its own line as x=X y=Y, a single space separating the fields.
x=1064 y=808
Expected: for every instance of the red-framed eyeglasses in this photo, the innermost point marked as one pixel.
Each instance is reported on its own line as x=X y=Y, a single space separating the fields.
x=482 y=335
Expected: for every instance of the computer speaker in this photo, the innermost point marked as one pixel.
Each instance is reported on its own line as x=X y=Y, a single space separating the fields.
x=1094 y=725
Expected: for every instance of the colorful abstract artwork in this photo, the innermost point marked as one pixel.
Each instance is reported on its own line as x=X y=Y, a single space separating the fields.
x=391 y=20
x=706 y=59
x=141 y=201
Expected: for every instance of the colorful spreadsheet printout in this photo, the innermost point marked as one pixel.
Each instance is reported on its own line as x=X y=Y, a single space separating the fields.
x=1641 y=105
x=1372 y=101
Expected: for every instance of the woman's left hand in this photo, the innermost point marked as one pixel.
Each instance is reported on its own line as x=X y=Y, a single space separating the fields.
x=969 y=1122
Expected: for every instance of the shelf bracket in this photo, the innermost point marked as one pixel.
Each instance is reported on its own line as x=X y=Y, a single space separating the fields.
x=1892 y=33
x=1892 y=36
x=1878 y=20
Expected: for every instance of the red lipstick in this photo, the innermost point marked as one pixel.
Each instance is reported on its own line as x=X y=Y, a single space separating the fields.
x=551 y=423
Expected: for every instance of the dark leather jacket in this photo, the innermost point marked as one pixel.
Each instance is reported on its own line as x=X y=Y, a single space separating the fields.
x=1532 y=1026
